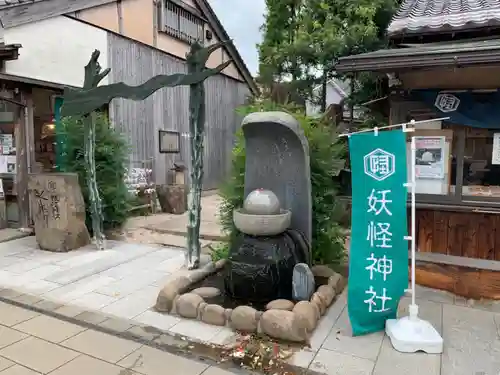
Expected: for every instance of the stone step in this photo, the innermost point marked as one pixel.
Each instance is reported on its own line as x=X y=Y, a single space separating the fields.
x=10 y=234
x=209 y=231
x=178 y=241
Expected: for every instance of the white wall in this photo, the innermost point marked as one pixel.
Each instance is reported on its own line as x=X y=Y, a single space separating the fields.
x=56 y=50
x=332 y=97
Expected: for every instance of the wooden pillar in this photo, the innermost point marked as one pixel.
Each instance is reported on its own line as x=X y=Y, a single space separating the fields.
x=3 y=208
x=24 y=158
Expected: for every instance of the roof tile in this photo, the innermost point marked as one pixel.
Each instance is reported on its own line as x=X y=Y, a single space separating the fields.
x=415 y=16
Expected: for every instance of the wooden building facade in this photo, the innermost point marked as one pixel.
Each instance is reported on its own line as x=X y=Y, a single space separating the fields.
x=168 y=109
x=449 y=70
x=44 y=46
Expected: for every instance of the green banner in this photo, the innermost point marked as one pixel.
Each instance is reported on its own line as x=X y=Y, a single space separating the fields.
x=378 y=258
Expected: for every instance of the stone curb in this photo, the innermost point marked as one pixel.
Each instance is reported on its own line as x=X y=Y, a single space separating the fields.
x=134 y=331
x=294 y=323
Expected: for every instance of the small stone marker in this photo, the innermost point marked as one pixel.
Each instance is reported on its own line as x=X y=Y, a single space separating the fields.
x=302 y=282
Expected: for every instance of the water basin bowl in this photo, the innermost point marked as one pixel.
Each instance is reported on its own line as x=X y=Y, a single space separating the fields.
x=262 y=225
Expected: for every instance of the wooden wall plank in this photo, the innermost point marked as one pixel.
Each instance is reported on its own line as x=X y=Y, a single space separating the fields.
x=425 y=231
x=167 y=109
x=469 y=229
x=440 y=235
x=467 y=234
x=455 y=235
x=497 y=237
x=486 y=237
x=38 y=10
x=463 y=281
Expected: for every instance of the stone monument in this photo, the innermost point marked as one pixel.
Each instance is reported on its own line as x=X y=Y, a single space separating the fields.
x=275 y=220
x=58 y=211
x=277 y=159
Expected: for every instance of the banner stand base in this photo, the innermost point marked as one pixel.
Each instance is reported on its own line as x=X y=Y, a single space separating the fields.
x=412 y=334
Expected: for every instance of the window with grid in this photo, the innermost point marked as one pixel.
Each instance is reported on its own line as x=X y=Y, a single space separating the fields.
x=182 y=24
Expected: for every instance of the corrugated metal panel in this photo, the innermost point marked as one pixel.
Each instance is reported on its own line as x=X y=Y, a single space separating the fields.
x=168 y=108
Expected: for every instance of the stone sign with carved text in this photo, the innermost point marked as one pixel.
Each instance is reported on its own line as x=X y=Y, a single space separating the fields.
x=58 y=211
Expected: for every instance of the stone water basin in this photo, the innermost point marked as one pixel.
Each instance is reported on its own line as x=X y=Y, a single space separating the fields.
x=262 y=225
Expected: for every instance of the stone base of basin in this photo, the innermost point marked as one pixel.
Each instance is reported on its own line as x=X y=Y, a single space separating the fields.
x=283 y=319
x=262 y=225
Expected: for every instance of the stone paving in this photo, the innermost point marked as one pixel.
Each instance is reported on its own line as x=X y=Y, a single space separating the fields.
x=32 y=343
x=170 y=230
x=124 y=281
x=210 y=229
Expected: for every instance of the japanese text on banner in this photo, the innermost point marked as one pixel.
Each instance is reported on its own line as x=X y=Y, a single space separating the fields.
x=378 y=261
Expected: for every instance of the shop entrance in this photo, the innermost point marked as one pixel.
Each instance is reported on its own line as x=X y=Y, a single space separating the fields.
x=27 y=145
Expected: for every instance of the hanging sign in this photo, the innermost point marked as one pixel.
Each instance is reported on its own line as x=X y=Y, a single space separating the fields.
x=378 y=258
x=474 y=109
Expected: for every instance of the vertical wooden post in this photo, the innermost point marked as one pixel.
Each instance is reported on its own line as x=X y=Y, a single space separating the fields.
x=59 y=149
x=3 y=208
x=22 y=143
x=119 y=11
x=156 y=20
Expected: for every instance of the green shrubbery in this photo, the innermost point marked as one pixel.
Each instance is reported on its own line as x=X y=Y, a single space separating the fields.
x=111 y=160
x=325 y=154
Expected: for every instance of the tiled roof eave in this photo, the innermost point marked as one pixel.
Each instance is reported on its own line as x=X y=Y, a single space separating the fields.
x=399 y=62
x=444 y=21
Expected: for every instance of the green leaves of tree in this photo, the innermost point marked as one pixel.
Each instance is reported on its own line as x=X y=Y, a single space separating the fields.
x=325 y=150
x=303 y=39
x=111 y=159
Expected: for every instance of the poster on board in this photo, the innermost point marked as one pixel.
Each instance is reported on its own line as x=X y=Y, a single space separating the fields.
x=11 y=164
x=430 y=155
x=6 y=144
x=3 y=163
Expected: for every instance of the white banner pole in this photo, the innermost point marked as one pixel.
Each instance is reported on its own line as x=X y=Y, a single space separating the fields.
x=401 y=125
x=411 y=334
x=413 y=306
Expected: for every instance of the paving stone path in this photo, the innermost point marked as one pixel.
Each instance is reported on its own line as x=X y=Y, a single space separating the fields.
x=116 y=288
x=34 y=344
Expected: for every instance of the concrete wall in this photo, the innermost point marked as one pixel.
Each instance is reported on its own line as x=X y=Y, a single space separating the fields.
x=333 y=96
x=55 y=50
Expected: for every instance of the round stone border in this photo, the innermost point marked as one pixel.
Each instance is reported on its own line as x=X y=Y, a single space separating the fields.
x=295 y=324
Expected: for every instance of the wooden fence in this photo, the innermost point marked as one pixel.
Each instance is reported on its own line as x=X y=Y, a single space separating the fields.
x=167 y=109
